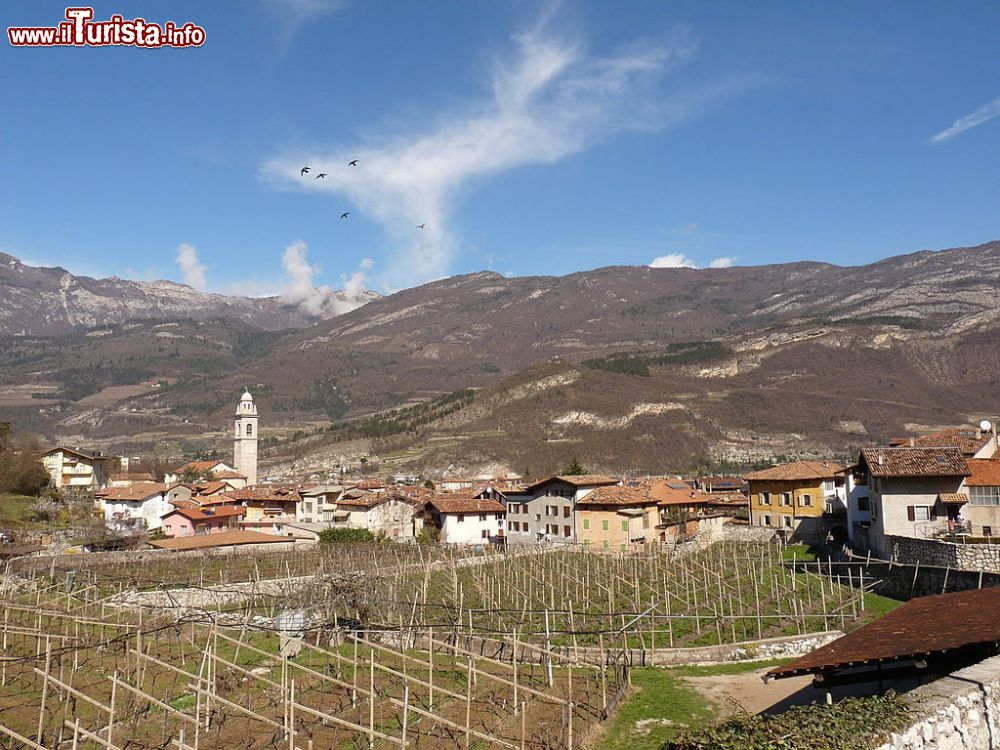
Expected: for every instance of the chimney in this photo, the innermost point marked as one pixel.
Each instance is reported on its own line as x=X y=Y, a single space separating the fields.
x=881 y=458
x=912 y=442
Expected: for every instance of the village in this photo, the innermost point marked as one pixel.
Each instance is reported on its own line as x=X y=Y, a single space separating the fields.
x=900 y=501
x=371 y=611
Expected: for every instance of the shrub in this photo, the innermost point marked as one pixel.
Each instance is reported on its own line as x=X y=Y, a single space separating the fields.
x=851 y=724
x=346 y=536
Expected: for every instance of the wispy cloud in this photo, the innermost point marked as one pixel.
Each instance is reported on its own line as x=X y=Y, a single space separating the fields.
x=192 y=270
x=301 y=290
x=984 y=114
x=673 y=260
x=294 y=14
x=680 y=260
x=549 y=100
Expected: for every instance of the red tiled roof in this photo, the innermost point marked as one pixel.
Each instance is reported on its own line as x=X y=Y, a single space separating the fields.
x=448 y=504
x=985 y=472
x=665 y=493
x=198 y=467
x=915 y=462
x=197 y=514
x=583 y=480
x=967 y=440
x=223 y=539
x=266 y=492
x=925 y=625
x=623 y=497
x=953 y=498
x=139 y=491
x=798 y=470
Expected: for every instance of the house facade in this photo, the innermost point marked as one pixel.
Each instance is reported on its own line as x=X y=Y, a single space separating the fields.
x=912 y=491
x=464 y=520
x=544 y=511
x=134 y=508
x=616 y=516
x=793 y=497
x=194 y=471
x=196 y=521
x=74 y=470
x=982 y=487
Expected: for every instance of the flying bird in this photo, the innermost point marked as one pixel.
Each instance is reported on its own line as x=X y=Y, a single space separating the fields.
x=352 y=163
x=345 y=214
x=303 y=171
x=421 y=226
x=321 y=174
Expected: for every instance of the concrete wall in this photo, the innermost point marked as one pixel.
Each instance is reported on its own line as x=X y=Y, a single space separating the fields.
x=958 y=712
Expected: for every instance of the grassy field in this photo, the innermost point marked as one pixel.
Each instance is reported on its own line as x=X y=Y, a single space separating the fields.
x=661 y=702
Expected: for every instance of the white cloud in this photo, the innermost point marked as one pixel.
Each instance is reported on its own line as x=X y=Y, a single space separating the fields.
x=294 y=14
x=550 y=100
x=724 y=262
x=983 y=114
x=673 y=260
x=192 y=270
x=300 y=290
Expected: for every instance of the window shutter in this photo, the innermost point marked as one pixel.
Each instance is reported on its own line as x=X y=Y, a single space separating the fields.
x=910 y=513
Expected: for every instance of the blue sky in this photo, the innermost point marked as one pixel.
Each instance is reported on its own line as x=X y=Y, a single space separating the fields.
x=529 y=139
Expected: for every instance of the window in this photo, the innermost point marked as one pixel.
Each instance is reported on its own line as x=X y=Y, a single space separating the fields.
x=586 y=524
x=461 y=518
x=806 y=501
x=765 y=498
x=829 y=486
x=510 y=526
x=786 y=498
x=567 y=532
x=249 y=430
x=566 y=512
x=918 y=513
x=786 y=521
x=604 y=525
x=498 y=516
x=485 y=534
x=765 y=520
x=984 y=495
x=482 y=516
x=625 y=526
x=862 y=504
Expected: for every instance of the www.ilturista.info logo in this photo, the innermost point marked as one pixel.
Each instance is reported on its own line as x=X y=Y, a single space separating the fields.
x=80 y=30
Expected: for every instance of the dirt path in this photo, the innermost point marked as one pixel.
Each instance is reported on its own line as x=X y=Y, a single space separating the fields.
x=732 y=691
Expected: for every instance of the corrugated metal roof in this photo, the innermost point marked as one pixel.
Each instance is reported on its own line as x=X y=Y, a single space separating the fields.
x=922 y=626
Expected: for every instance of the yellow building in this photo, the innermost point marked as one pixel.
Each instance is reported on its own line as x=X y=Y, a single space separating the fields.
x=616 y=516
x=793 y=497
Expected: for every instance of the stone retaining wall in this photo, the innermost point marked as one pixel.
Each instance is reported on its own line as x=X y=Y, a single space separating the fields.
x=958 y=712
x=945 y=554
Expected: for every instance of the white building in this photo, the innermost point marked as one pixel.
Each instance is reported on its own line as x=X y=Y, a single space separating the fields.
x=134 y=508
x=245 y=439
x=465 y=520
x=75 y=470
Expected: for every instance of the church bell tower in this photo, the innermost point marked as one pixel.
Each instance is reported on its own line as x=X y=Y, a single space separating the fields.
x=245 y=443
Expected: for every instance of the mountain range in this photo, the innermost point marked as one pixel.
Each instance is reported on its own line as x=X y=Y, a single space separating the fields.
x=629 y=368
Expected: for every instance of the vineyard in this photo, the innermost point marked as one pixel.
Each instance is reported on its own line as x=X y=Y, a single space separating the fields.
x=372 y=645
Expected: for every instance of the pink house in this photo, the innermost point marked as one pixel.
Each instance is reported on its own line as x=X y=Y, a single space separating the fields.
x=199 y=521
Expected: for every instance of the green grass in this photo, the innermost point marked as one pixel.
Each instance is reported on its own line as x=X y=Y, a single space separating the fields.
x=708 y=670
x=15 y=510
x=876 y=605
x=662 y=696
x=798 y=552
